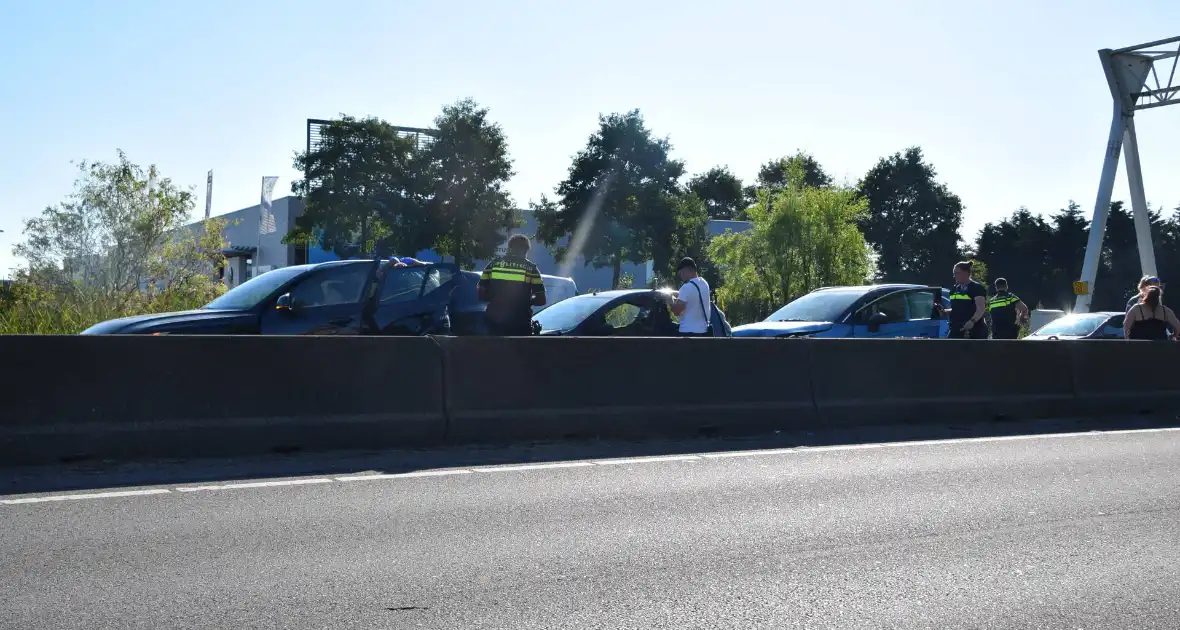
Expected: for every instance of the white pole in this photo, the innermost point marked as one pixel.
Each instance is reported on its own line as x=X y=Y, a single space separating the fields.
x=1110 y=167
x=209 y=195
x=1139 y=201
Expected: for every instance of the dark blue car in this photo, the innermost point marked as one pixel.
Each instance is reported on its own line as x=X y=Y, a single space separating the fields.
x=346 y=297
x=884 y=310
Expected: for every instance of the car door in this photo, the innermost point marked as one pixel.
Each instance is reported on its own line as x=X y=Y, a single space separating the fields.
x=908 y=313
x=325 y=302
x=1110 y=329
x=414 y=300
x=928 y=310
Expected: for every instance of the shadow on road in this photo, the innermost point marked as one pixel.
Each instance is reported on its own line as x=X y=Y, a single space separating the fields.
x=95 y=475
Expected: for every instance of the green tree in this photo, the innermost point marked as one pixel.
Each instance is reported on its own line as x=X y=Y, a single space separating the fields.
x=913 y=220
x=116 y=246
x=773 y=174
x=1018 y=248
x=721 y=191
x=801 y=238
x=1067 y=246
x=466 y=169
x=360 y=191
x=619 y=199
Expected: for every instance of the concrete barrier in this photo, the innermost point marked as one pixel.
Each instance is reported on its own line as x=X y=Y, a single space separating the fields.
x=99 y=397
x=901 y=380
x=1118 y=377
x=134 y=397
x=504 y=389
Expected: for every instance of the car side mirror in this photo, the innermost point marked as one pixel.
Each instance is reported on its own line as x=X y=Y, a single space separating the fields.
x=285 y=303
x=875 y=321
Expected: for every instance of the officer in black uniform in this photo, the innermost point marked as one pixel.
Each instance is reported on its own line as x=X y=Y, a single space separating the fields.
x=968 y=306
x=1008 y=312
x=512 y=286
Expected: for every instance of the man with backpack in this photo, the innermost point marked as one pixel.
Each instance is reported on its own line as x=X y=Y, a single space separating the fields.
x=693 y=305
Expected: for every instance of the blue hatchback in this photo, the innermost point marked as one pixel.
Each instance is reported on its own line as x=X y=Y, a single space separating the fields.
x=878 y=311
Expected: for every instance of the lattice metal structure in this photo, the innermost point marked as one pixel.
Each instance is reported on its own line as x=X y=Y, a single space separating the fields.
x=1135 y=77
x=421 y=137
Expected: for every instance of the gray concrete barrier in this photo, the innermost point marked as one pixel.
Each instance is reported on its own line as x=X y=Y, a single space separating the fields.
x=96 y=397
x=503 y=389
x=134 y=397
x=1128 y=378
x=902 y=380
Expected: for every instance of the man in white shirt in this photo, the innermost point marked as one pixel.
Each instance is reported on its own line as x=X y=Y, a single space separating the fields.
x=692 y=303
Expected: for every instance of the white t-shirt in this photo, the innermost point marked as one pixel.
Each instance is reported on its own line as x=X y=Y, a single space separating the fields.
x=694 y=319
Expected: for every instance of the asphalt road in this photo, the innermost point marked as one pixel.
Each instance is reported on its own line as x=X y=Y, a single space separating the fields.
x=1078 y=531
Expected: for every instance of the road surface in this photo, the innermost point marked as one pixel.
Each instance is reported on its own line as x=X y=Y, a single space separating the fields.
x=1072 y=531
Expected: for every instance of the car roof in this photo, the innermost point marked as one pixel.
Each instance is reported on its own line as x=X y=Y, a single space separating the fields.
x=872 y=287
x=617 y=293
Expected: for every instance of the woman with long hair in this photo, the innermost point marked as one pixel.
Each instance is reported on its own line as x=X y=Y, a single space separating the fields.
x=1150 y=319
x=1145 y=283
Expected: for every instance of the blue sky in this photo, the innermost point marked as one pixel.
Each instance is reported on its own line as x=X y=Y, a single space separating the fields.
x=1007 y=98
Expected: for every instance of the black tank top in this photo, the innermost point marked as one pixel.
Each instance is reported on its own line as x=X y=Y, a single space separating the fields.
x=1153 y=329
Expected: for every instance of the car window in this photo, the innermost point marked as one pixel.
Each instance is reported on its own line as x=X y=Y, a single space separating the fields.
x=568 y=313
x=624 y=315
x=338 y=285
x=436 y=277
x=819 y=306
x=250 y=293
x=921 y=304
x=895 y=307
x=1073 y=325
x=402 y=284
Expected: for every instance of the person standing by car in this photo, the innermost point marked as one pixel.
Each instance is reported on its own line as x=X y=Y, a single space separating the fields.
x=692 y=301
x=1145 y=283
x=1008 y=312
x=511 y=286
x=1150 y=319
x=968 y=305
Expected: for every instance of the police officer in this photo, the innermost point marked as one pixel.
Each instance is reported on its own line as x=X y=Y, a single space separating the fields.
x=968 y=306
x=1008 y=312
x=511 y=286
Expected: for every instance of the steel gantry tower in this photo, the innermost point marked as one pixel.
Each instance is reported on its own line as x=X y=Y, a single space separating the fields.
x=1128 y=71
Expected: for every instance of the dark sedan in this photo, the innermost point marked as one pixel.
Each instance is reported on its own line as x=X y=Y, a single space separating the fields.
x=626 y=312
x=348 y=297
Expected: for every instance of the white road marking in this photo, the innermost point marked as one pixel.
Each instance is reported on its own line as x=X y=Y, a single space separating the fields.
x=645 y=460
x=91 y=495
x=255 y=484
x=419 y=473
x=511 y=468
x=799 y=450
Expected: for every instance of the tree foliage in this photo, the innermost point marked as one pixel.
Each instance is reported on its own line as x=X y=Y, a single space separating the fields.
x=773 y=174
x=913 y=220
x=1041 y=258
x=369 y=190
x=721 y=191
x=116 y=246
x=466 y=169
x=801 y=238
x=619 y=199
x=360 y=191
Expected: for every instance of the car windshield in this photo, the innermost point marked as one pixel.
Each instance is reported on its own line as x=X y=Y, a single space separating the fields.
x=821 y=306
x=1072 y=325
x=248 y=294
x=568 y=313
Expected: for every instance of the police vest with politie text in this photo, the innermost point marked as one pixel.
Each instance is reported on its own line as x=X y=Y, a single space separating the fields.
x=1002 y=307
x=511 y=285
x=963 y=309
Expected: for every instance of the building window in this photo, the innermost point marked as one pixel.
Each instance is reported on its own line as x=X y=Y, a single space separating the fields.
x=301 y=254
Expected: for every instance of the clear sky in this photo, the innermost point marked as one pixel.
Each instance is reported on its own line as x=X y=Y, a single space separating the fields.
x=1007 y=98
